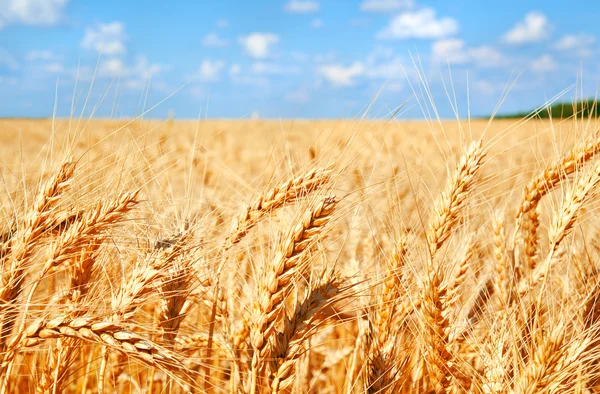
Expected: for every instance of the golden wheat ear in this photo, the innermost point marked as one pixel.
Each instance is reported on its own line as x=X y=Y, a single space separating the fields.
x=288 y=191
x=279 y=277
x=527 y=217
x=307 y=317
x=20 y=246
x=436 y=312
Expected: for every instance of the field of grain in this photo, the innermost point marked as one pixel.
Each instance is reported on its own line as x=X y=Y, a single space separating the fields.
x=301 y=257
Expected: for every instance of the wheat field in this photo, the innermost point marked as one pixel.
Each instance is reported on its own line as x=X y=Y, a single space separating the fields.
x=255 y=257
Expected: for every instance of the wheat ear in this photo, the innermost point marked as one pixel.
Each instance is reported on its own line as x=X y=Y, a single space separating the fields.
x=275 y=198
x=381 y=353
x=502 y=289
x=22 y=245
x=286 y=346
x=109 y=334
x=279 y=277
x=562 y=223
x=527 y=217
x=448 y=207
x=435 y=308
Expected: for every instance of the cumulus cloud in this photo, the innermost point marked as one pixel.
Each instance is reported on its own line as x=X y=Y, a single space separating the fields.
x=141 y=70
x=339 y=75
x=486 y=56
x=534 y=28
x=422 y=23
x=258 y=45
x=385 y=5
x=301 y=7
x=544 y=63
x=31 y=12
x=113 y=68
x=579 y=43
x=210 y=70
x=455 y=51
x=212 y=40
x=106 y=38
x=452 y=51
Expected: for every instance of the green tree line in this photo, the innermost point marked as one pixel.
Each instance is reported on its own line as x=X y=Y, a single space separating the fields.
x=560 y=110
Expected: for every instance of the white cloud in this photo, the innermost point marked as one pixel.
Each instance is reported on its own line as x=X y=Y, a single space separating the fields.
x=31 y=12
x=258 y=45
x=212 y=40
x=544 y=63
x=301 y=7
x=210 y=70
x=534 y=28
x=273 y=69
x=339 y=75
x=222 y=23
x=47 y=62
x=486 y=56
x=455 y=51
x=144 y=69
x=317 y=24
x=107 y=38
x=141 y=70
x=576 y=42
x=113 y=68
x=7 y=60
x=255 y=115
x=419 y=24
x=452 y=51
x=39 y=55
x=385 y=5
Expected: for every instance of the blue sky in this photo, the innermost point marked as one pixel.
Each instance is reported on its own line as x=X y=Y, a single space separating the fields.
x=292 y=59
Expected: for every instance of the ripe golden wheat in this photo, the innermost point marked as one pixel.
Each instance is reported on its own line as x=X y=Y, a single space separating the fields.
x=371 y=266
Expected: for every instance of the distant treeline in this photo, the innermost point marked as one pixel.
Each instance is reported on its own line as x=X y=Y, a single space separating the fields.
x=560 y=110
